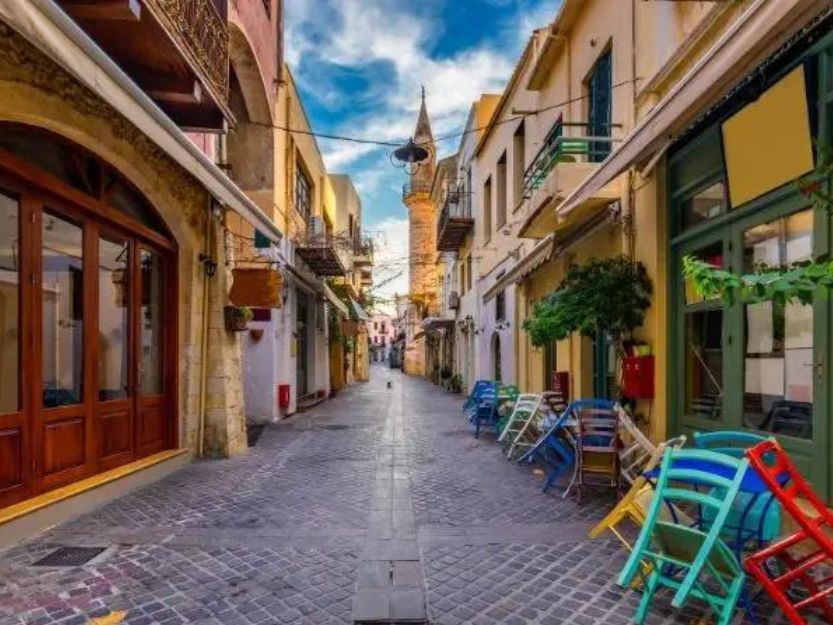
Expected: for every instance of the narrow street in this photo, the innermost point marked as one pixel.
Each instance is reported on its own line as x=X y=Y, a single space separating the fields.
x=376 y=507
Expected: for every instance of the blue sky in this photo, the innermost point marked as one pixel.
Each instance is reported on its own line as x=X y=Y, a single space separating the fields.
x=359 y=65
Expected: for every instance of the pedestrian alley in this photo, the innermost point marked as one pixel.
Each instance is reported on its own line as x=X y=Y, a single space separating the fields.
x=379 y=506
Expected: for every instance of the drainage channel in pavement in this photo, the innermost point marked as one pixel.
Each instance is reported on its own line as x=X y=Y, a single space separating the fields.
x=390 y=586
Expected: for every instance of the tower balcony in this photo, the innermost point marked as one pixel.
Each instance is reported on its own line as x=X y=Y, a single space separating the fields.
x=176 y=51
x=414 y=187
x=455 y=222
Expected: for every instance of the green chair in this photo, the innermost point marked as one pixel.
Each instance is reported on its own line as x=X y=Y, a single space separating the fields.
x=688 y=560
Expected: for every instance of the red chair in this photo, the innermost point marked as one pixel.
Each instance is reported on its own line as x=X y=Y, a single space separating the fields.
x=805 y=556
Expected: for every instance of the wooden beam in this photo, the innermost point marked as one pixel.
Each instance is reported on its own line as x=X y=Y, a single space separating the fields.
x=105 y=10
x=169 y=89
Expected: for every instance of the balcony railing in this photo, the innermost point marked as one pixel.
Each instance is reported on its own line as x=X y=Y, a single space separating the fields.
x=320 y=251
x=559 y=148
x=177 y=51
x=415 y=186
x=363 y=251
x=455 y=221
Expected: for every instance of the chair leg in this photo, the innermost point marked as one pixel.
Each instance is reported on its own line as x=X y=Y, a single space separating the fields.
x=647 y=596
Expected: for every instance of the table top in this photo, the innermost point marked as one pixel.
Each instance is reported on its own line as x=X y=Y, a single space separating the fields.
x=752 y=482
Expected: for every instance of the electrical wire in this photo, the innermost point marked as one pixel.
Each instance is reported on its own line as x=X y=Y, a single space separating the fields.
x=456 y=135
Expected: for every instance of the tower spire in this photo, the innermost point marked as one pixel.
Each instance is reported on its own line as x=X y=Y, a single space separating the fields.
x=422 y=134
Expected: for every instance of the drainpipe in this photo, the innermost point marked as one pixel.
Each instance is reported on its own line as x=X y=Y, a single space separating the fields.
x=206 y=283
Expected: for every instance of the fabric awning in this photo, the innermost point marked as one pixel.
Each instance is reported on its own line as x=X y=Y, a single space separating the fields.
x=540 y=254
x=358 y=312
x=753 y=37
x=47 y=27
x=335 y=301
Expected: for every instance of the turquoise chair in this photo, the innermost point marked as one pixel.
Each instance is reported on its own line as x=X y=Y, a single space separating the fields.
x=764 y=507
x=690 y=561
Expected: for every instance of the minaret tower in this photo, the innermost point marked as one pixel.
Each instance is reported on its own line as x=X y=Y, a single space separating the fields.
x=422 y=243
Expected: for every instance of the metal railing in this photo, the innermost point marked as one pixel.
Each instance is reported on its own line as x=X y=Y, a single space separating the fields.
x=201 y=29
x=415 y=186
x=559 y=148
x=454 y=207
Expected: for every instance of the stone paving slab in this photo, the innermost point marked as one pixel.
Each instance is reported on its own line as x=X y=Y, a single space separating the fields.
x=398 y=514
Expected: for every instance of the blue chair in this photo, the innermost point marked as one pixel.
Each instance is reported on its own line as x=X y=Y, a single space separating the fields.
x=752 y=516
x=476 y=392
x=554 y=449
x=485 y=410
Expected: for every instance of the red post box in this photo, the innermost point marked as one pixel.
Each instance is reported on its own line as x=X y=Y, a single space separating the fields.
x=283 y=395
x=638 y=377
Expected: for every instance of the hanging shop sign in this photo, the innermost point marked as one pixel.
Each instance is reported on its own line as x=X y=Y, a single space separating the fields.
x=257 y=288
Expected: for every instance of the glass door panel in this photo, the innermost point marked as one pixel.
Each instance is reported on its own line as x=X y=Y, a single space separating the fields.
x=10 y=251
x=778 y=343
x=150 y=323
x=113 y=319
x=62 y=312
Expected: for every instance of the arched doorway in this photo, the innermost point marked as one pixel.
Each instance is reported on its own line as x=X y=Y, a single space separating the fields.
x=87 y=317
x=496 y=358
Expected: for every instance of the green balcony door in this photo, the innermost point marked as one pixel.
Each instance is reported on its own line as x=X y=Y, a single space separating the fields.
x=762 y=367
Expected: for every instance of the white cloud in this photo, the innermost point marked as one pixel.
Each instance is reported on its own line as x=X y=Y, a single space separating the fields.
x=390 y=258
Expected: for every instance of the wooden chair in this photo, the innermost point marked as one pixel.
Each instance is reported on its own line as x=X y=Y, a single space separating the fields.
x=805 y=557
x=688 y=560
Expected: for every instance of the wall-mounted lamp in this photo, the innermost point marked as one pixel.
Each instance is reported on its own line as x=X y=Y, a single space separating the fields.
x=209 y=265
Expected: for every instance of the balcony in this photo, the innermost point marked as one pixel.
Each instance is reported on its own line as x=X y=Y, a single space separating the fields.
x=176 y=51
x=455 y=222
x=366 y=278
x=415 y=186
x=563 y=162
x=320 y=251
x=363 y=252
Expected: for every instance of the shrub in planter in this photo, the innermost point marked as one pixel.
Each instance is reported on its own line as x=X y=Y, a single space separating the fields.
x=237 y=318
x=445 y=373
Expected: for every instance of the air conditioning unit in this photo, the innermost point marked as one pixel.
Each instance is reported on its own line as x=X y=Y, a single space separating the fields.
x=454 y=300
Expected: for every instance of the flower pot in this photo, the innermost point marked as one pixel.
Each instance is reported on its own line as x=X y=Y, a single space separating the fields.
x=236 y=319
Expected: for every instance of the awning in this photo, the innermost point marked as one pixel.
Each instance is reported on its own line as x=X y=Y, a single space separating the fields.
x=47 y=27
x=540 y=254
x=335 y=301
x=359 y=312
x=761 y=29
x=436 y=325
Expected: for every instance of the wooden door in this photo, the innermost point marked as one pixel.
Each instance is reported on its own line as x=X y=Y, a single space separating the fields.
x=152 y=408
x=114 y=352
x=15 y=334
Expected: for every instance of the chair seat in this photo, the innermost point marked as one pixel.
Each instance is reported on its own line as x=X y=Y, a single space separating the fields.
x=684 y=543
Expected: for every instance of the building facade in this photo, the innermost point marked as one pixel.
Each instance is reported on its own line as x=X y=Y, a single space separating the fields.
x=115 y=268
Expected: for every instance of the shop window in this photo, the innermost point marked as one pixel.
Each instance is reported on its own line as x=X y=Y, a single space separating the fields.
x=151 y=323
x=127 y=201
x=778 y=339
x=703 y=364
x=703 y=205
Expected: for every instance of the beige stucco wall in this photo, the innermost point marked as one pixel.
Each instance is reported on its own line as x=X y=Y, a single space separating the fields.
x=37 y=92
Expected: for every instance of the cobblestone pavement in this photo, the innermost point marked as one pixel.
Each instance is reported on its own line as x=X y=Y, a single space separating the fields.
x=285 y=534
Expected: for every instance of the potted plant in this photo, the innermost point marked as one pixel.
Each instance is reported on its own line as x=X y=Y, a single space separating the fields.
x=456 y=384
x=237 y=318
x=606 y=297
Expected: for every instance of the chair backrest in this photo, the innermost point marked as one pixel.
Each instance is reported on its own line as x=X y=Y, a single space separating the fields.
x=478 y=387
x=598 y=424
x=727 y=442
x=527 y=403
x=788 y=485
x=687 y=466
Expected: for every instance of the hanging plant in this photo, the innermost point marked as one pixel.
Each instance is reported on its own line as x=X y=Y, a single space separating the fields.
x=607 y=295
x=237 y=318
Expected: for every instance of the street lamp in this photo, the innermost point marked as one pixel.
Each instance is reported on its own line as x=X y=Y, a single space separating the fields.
x=410 y=157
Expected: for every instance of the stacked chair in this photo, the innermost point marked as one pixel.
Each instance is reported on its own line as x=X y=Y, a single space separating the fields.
x=689 y=560
x=526 y=425
x=797 y=570
x=483 y=410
